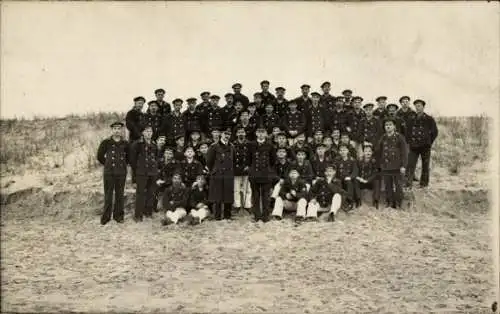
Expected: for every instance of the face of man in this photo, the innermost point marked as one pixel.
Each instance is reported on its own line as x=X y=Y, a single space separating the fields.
x=200 y=181
x=153 y=108
x=294 y=175
x=168 y=155
x=392 y=110
x=238 y=106
x=177 y=106
x=147 y=133
x=229 y=100
x=419 y=108
x=264 y=87
x=320 y=150
x=261 y=134
x=237 y=89
x=281 y=153
x=357 y=104
x=214 y=102
x=180 y=142
x=344 y=139
x=216 y=135
x=161 y=141
x=301 y=138
x=336 y=134
x=189 y=153
x=116 y=130
x=293 y=107
x=318 y=137
x=252 y=109
x=176 y=180
x=276 y=131
x=328 y=142
x=326 y=89
x=244 y=117
x=269 y=109
x=301 y=156
x=160 y=96
x=241 y=134
x=305 y=91
x=382 y=103
x=281 y=140
x=205 y=97
x=224 y=136
x=330 y=172
x=343 y=152
x=257 y=99
x=367 y=152
x=138 y=105
x=389 y=127
x=204 y=149
x=315 y=99
x=405 y=103
x=280 y=93
x=192 y=105
x=195 y=136
x=369 y=111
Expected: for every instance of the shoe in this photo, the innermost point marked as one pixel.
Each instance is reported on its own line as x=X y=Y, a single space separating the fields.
x=166 y=221
x=138 y=219
x=331 y=217
x=393 y=205
x=299 y=219
x=375 y=204
x=348 y=207
x=358 y=203
x=415 y=179
x=104 y=221
x=120 y=221
x=277 y=218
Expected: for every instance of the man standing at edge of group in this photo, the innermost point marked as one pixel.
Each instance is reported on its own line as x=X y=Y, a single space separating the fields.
x=220 y=165
x=133 y=119
x=113 y=154
x=422 y=132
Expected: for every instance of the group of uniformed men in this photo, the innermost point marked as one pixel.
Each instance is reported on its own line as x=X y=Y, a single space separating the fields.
x=313 y=155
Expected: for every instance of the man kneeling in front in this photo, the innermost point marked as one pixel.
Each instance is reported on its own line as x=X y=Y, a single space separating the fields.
x=292 y=196
x=326 y=195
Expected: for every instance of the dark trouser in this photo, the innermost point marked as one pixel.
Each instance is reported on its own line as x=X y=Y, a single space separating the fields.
x=113 y=184
x=261 y=191
x=373 y=185
x=219 y=214
x=393 y=181
x=425 y=154
x=348 y=186
x=158 y=194
x=145 y=196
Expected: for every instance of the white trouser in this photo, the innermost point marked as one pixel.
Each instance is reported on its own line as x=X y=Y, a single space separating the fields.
x=242 y=186
x=314 y=208
x=200 y=213
x=281 y=204
x=176 y=215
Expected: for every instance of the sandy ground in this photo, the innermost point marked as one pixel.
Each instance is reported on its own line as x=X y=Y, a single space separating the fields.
x=367 y=261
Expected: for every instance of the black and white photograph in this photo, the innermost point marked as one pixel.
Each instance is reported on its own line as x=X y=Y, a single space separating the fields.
x=250 y=157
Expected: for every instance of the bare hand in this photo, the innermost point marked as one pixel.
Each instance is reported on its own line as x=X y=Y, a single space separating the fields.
x=348 y=178
x=403 y=170
x=288 y=195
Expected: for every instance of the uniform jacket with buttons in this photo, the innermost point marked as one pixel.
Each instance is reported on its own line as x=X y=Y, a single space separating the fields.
x=380 y=113
x=338 y=120
x=197 y=195
x=422 y=131
x=242 y=98
x=220 y=159
x=192 y=121
x=323 y=191
x=268 y=98
x=372 y=129
x=133 y=122
x=399 y=124
x=346 y=168
x=305 y=170
x=249 y=130
x=202 y=109
x=298 y=186
x=114 y=155
x=155 y=121
x=160 y=153
x=179 y=154
x=328 y=101
x=229 y=117
x=355 y=123
x=174 y=125
x=304 y=147
x=260 y=109
x=241 y=157
x=281 y=107
x=294 y=121
x=282 y=168
x=190 y=170
x=303 y=103
x=270 y=121
x=144 y=159
x=175 y=197
x=368 y=169
x=319 y=166
x=164 y=108
x=166 y=172
x=391 y=152
x=316 y=119
x=262 y=160
x=289 y=152
x=406 y=115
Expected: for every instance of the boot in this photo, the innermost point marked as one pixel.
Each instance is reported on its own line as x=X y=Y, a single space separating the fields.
x=375 y=204
x=331 y=217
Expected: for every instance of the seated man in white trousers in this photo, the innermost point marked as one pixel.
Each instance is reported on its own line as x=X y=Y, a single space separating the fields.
x=197 y=201
x=175 y=200
x=292 y=196
x=326 y=195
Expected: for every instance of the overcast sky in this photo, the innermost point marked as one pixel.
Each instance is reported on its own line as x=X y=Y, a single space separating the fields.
x=75 y=57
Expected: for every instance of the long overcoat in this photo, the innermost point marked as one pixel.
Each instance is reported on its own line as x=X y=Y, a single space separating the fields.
x=220 y=165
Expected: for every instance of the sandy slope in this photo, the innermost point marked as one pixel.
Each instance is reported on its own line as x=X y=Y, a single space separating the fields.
x=369 y=261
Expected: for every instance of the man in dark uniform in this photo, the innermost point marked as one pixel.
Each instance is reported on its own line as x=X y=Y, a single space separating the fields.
x=339 y=117
x=304 y=101
x=281 y=104
x=347 y=94
x=355 y=124
x=316 y=117
x=174 y=123
x=190 y=167
x=368 y=177
x=392 y=156
x=405 y=112
x=269 y=119
x=327 y=100
x=242 y=189
x=238 y=96
x=392 y=110
x=245 y=123
x=113 y=154
x=259 y=104
x=228 y=113
x=422 y=132
x=261 y=173
x=143 y=159
x=267 y=97
x=202 y=108
x=381 y=111
x=133 y=119
x=214 y=114
x=294 y=122
x=163 y=106
x=372 y=128
x=191 y=117
x=154 y=119
x=221 y=188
